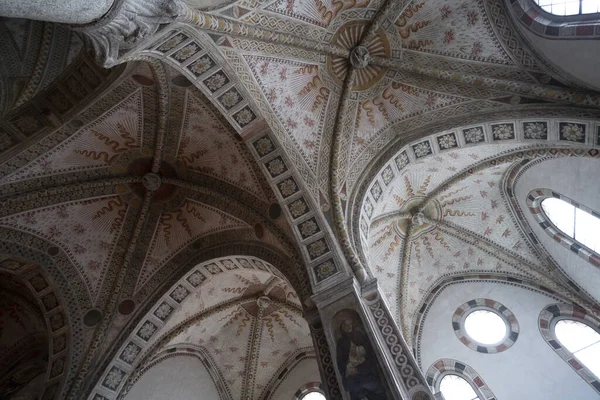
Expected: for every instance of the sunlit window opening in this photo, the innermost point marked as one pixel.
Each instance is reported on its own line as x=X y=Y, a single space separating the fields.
x=569 y=7
x=582 y=341
x=453 y=387
x=485 y=327
x=313 y=396
x=574 y=222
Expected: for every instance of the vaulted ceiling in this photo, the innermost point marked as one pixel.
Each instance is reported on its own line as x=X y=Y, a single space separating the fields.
x=396 y=119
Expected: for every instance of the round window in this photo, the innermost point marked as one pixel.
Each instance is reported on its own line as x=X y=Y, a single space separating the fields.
x=313 y=395
x=485 y=326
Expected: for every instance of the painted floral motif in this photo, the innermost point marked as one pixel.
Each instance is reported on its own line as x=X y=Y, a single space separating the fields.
x=114 y=378
x=473 y=135
x=447 y=141
x=245 y=263
x=56 y=322
x=216 y=82
x=38 y=283
x=387 y=175
x=179 y=294
x=368 y=208
x=288 y=187
x=186 y=52
x=213 y=269
x=27 y=124
x=229 y=264
x=535 y=130
x=572 y=132
x=264 y=146
x=503 y=131
x=364 y=226
x=276 y=167
x=298 y=208
x=50 y=301
x=244 y=117
x=201 y=65
x=147 y=330
x=325 y=270
x=422 y=149
x=401 y=161
x=171 y=43
x=317 y=249
x=308 y=228
x=130 y=352
x=59 y=344
x=230 y=99
x=57 y=367
x=196 y=278
x=376 y=191
x=163 y=311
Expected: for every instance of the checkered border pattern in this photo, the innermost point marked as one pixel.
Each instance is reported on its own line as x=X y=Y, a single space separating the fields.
x=447 y=366
x=534 y=200
x=549 y=316
x=460 y=315
x=553 y=26
x=307 y=388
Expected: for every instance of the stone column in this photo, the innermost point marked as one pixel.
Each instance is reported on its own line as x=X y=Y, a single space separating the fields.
x=65 y=11
x=369 y=354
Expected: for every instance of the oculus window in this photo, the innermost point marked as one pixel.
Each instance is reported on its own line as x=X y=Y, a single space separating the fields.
x=569 y=7
x=582 y=341
x=485 y=327
x=314 y=395
x=574 y=222
x=454 y=387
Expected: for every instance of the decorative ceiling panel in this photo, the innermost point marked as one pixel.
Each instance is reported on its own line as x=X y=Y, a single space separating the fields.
x=452 y=28
x=96 y=145
x=208 y=146
x=299 y=99
x=87 y=230
x=178 y=228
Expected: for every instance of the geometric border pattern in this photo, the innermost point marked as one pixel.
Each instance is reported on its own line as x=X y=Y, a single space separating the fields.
x=446 y=366
x=534 y=200
x=461 y=313
x=548 y=318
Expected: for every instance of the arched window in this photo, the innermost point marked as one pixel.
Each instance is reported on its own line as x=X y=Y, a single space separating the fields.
x=569 y=7
x=457 y=381
x=574 y=222
x=454 y=387
x=313 y=395
x=571 y=224
x=575 y=336
x=582 y=341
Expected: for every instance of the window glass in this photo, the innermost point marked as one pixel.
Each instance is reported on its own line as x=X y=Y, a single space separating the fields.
x=453 y=387
x=313 y=396
x=574 y=222
x=581 y=340
x=485 y=327
x=569 y=7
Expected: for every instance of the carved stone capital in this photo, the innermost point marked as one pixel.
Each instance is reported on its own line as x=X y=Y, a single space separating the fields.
x=126 y=26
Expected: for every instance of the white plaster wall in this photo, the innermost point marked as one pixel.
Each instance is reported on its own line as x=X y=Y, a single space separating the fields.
x=177 y=378
x=530 y=369
x=306 y=371
x=576 y=178
x=577 y=58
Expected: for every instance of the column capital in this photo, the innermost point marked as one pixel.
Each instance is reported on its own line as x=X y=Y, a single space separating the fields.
x=126 y=26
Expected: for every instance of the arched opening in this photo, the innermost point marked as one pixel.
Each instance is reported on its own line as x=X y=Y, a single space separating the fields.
x=582 y=341
x=575 y=222
x=569 y=7
x=455 y=387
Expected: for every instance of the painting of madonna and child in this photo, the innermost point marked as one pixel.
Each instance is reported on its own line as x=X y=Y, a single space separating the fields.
x=356 y=360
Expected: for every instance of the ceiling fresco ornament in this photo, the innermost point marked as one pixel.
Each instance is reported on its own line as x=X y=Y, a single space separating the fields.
x=411 y=214
x=248 y=306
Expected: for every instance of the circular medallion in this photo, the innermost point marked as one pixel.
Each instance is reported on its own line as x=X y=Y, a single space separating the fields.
x=92 y=318
x=348 y=37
